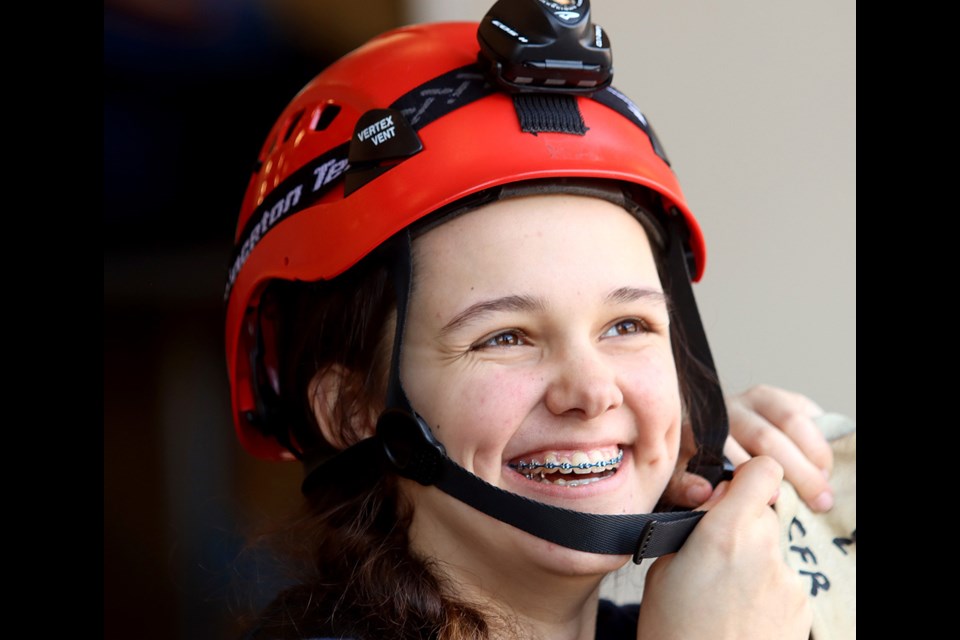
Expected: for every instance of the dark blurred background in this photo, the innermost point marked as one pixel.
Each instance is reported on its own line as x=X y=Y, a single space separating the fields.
x=191 y=88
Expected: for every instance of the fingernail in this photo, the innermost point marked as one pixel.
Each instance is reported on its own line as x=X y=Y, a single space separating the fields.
x=699 y=493
x=721 y=489
x=823 y=502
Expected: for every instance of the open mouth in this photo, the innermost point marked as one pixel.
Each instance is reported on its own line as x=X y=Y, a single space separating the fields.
x=574 y=469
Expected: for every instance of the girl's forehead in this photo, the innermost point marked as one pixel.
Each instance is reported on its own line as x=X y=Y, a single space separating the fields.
x=537 y=241
x=546 y=212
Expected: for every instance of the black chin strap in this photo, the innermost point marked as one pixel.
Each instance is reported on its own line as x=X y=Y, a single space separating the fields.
x=639 y=535
x=711 y=429
x=412 y=451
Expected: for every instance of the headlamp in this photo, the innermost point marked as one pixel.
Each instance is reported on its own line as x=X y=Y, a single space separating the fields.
x=529 y=46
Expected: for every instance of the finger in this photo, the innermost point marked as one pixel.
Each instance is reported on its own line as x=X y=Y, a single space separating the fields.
x=758 y=437
x=687 y=489
x=808 y=479
x=716 y=496
x=754 y=484
x=738 y=455
x=793 y=413
x=734 y=452
x=773 y=498
x=769 y=394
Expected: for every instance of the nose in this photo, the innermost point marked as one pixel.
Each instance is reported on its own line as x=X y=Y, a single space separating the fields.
x=583 y=384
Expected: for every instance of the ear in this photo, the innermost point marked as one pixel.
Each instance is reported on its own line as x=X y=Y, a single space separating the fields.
x=340 y=406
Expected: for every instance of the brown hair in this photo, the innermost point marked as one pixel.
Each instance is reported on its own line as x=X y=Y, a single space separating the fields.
x=346 y=550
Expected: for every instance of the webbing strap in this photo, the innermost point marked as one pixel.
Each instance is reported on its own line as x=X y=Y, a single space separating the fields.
x=542 y=112
x=711 y=432
x=401 y=257
x=642 y=536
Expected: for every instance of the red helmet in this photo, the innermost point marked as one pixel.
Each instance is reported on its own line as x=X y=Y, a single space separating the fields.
x=326 y=194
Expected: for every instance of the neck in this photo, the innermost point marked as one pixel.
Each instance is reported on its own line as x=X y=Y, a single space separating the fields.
x=534 y=606
x=561 y=616
x=524 y=584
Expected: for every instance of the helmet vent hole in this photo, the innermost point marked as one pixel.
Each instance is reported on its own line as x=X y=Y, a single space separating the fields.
x=326 y=116
x=269 y=149
x=293 y=124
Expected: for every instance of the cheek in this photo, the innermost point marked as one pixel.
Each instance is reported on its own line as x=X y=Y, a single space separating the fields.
x=481 y=415
x=654 y=393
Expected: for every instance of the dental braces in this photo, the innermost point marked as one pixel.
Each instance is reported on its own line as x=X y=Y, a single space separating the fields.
x=523 y=466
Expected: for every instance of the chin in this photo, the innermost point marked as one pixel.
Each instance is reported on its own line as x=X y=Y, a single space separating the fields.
x=569 y=563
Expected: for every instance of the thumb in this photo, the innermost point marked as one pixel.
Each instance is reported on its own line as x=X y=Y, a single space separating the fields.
x=717 y=495
x=687 y=489
x=755 y=485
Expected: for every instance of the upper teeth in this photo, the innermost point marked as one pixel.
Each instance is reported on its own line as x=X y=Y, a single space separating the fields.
x=579 y=463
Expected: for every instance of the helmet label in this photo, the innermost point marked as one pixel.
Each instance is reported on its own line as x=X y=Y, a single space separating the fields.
x=268 y=218
x=291 y=196
x=329 y=171
x=379 y=131
x=381 y=139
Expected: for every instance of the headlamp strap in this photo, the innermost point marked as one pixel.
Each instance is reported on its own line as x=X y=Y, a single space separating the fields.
x=548 y=112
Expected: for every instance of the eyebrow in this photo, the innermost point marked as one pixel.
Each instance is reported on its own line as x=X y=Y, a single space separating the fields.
x=506 y=303
x=529 y=303
x=631 y=294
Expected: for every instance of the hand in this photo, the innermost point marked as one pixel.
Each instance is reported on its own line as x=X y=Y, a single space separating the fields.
x=770 y=421
x=767 y=420
x=729 y=580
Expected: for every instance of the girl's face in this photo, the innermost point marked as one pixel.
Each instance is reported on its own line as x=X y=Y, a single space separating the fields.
x=538 y=335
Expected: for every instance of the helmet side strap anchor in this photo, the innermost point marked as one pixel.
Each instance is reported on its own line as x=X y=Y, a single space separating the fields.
x=407 y=441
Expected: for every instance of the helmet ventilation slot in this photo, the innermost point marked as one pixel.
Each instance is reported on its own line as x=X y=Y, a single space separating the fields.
x=293 y=124
x=325 y=115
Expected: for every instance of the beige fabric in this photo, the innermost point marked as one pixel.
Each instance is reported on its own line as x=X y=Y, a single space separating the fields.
x=817 y=558
x=822 y=547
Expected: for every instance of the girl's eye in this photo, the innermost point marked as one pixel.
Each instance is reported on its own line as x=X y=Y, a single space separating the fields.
x=505 y=339
x=625 y=327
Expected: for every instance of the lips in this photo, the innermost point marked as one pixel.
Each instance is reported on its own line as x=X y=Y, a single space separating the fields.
x=569 y=468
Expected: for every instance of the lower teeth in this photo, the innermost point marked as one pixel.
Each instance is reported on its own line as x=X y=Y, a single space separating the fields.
x=563 y=482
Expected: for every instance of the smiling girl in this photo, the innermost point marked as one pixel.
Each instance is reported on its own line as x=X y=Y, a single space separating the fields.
x=479 y=339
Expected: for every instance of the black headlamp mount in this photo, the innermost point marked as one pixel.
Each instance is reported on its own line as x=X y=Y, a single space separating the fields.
x=530 y=46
